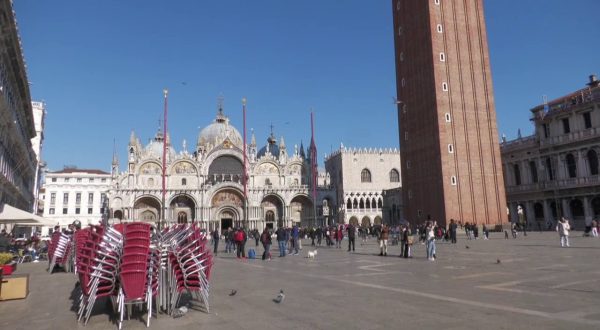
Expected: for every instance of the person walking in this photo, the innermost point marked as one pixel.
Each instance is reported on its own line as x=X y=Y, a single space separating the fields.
x=594 y=228
x=453 y=228
x=319 y=233
x=265 y=239
x=339 y=237
x=430 y=242
x=281 y=237
x=240 y=238
x=563 y=229
x=216 y=237
x=351 y=237
x=383 y=240
x=295 y=235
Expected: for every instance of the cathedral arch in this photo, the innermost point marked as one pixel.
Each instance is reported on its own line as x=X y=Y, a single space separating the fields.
x=353 y=221
x=225 y=168
x=349 y=204
x=272 y=206
x=182 y=208
x=301 y=210
x=147 y=209
x=377 y=220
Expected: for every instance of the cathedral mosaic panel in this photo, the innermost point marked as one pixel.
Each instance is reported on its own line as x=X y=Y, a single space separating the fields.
x=150 y=168
x=226 y=198
x=185 y=168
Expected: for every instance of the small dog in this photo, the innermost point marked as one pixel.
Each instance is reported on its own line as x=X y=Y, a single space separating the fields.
x=312 y=254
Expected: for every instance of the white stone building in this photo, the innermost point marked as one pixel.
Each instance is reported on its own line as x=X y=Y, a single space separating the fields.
x=359 y=177
x=205 y=184
x=555 y=172
x=37 y=142
x=75 y=194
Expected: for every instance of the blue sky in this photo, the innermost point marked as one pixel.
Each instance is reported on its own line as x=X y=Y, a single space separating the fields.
x=101 y=66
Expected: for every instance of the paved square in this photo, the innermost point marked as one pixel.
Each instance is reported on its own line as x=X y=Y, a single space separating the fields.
x=537 y=285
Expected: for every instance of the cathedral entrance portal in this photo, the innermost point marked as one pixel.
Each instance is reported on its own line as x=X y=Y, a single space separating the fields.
x=226 y=223
x=146 y=209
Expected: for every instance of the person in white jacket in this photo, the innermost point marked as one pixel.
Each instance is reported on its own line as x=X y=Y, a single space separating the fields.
x=563 y=229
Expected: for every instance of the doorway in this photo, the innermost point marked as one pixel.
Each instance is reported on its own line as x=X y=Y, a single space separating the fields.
x=226 y=223
x=270 y=226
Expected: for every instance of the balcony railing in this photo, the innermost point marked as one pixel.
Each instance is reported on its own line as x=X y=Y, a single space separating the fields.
x=556 y=184
x=571 y=137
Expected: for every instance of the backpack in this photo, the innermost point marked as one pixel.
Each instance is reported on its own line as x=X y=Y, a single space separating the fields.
x=251 y=254
x=239 y=236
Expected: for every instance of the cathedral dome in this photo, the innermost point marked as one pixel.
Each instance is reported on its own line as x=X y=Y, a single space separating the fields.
x=155 y=147
x=218 y=131
x=270 y=148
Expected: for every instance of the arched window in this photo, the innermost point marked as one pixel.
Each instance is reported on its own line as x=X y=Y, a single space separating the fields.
x=365 y=176
x=592 y=157
x=267 y=182
x=517 y=174
x=380 y=203
x=183 y=182
x=533 y=170
x=355 y=204
x=368 y=203
x=394 y=176
x=374 y=203
x=361 y=205
x=571 y=166
x=349 y=205
x=549 y=169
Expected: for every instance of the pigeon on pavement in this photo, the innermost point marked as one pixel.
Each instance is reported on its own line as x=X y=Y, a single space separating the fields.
x=233 y=292
x=280 y=297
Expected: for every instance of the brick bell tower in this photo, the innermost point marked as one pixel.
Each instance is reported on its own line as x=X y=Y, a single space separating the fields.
x=451 y=166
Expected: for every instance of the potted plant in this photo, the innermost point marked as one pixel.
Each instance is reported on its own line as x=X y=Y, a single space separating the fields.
x=7 y=263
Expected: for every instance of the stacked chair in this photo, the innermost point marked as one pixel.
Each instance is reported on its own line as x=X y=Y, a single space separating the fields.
x=139 y=269
x=133 y=266
x=59 y=250
x=97 y=261
x=189 y=264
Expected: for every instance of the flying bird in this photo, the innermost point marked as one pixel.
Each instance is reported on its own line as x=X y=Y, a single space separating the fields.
x=280 y=297
x=233 y=292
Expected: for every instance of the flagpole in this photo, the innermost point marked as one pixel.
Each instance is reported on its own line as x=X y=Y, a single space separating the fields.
x=244 y=176
x=164 y=160
x=313 y=160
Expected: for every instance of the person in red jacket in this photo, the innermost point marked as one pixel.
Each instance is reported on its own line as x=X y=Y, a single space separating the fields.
x=339 y=236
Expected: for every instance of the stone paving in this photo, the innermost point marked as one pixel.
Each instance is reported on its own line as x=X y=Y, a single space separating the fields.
x=536 y=285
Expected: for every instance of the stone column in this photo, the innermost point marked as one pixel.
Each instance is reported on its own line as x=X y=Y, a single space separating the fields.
x=514 y=216
x=548 y=212
x=530 y=214
x=582 y=161
x=566 y=209
x=587 y=210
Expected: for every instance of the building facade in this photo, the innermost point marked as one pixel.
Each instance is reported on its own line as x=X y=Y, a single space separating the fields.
x=39 y=116
x=555 y=172
x=75 y=194
x=451 y=164
x=18 y=162
x=205 y=184
x=359 y=178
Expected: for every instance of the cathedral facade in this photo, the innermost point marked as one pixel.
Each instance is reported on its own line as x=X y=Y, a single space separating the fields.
x=206 y=185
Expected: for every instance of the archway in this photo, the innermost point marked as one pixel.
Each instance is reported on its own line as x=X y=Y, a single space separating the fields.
x=366 y=221
x=183 y=209
x=538 y=210
x=273 y=209
x=596 y=207
x=377 y=220
x=231 y=202
x=576 y=209
x=147 y=209
x=118 y=214
x=301 y=208
x=353 y=221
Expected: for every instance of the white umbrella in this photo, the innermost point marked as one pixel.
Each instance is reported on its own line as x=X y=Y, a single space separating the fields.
x=13 y=215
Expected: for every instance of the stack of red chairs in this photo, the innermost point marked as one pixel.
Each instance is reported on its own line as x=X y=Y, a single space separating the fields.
x=97 y=262
x=59 y=250
x=139 y=269
x=190 y=263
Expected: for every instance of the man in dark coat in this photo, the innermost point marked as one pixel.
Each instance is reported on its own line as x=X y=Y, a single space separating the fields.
x=351 y=236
